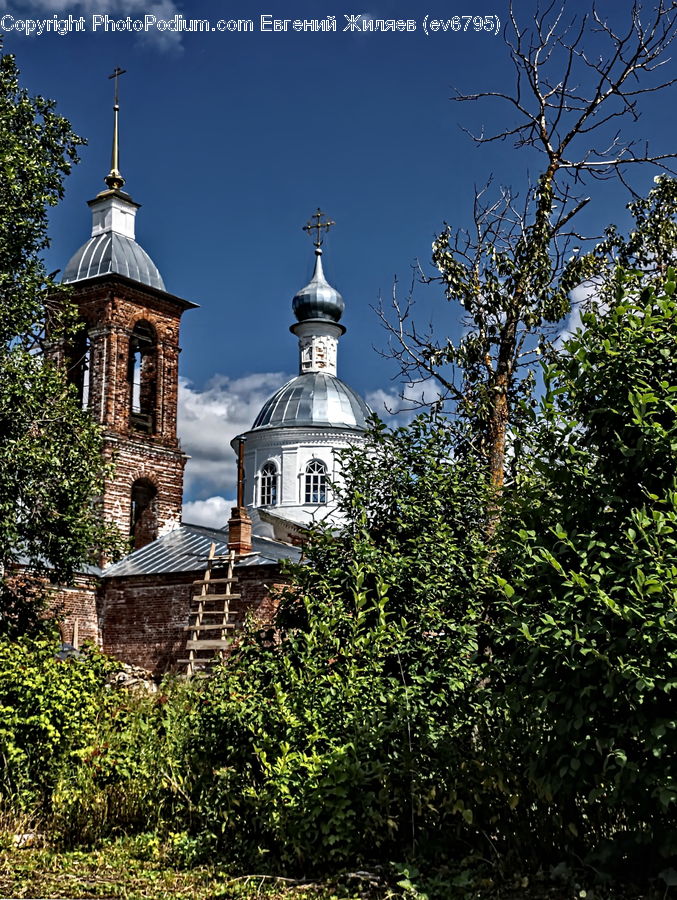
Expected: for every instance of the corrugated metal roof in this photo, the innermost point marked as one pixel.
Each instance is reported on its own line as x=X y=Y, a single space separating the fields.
x=314 y=398
x=186 y=549
x=266 y=551
x=111 y=252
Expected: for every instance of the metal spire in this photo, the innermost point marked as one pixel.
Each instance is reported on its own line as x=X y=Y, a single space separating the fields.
x=114 y=179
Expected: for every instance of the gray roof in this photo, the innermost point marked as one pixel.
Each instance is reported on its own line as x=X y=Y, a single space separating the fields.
x=113 y=253
x=186 y=549
x=314 y=398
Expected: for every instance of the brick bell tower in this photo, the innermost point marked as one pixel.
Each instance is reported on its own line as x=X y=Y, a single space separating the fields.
x=126 y=363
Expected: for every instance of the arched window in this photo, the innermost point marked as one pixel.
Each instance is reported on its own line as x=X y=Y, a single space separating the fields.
x=268 y=487
x=316 y=482
x=142 y=377
x=143 y=518
x=79 y=366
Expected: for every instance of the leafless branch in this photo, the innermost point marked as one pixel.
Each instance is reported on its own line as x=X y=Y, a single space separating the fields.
x=512 y=271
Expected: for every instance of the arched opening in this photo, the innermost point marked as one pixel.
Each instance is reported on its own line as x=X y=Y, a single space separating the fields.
x=79 y=366
x=268 y=485
x=143 y=517
x=316 y=482
x=142 y=377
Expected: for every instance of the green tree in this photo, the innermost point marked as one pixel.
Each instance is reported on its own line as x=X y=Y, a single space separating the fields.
x=349 y=736
x=586 y=638
x=579 y=80
x=50 y=462
x=374 y=709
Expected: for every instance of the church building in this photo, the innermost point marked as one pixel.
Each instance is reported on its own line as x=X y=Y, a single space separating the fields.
x=126 y=369
x=290 y=456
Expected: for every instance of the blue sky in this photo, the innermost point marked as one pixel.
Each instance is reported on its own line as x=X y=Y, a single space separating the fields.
x=231 y=140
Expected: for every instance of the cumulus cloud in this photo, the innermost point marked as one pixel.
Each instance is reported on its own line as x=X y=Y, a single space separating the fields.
x=580 y=297
x=398 y=407
x=115 y=9
x=213 y=512
x=209 y=419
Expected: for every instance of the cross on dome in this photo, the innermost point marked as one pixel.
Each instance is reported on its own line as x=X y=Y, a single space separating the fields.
x=317 y=226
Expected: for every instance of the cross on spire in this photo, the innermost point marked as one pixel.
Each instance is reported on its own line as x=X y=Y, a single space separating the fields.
x=317 y=226
x=117 y=71
x=114 y=179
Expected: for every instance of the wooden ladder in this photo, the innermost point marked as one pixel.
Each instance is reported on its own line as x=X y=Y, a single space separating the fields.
x=208 y=618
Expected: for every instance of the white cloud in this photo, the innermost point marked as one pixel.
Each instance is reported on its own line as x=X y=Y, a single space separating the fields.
x=399 y=407
x=210 y=418
x=213 y=512
x=580 y=297
x=115 y=9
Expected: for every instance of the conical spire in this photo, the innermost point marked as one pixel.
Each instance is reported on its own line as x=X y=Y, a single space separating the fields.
x=114 y=179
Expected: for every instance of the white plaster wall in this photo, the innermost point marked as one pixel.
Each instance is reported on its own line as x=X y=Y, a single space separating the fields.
x=113 y=214
x=291 y=450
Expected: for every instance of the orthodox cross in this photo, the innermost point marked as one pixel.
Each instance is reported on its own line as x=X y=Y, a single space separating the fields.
x=116 y=74
x=317 y=226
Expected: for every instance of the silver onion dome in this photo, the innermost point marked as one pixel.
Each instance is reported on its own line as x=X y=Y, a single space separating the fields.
x=318 y=299
x=113 y=253
x=314 y=399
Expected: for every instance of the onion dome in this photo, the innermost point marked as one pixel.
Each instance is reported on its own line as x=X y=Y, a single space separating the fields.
x=314 y=399
x=318 y=299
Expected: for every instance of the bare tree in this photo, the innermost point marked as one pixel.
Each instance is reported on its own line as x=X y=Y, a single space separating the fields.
x=513 y=275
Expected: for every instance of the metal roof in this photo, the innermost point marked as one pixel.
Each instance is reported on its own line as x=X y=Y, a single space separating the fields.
x=314 y=398
x=111 y=252
x=186 y=549
x=318 y=299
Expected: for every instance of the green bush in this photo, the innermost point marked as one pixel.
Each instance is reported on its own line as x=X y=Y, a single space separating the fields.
x=87 y=759
x=352 y=735
x=129 y=778
x=50 y=711
x=588 y=637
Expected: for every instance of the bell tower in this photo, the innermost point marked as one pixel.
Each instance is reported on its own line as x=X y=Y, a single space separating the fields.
x=125 y=365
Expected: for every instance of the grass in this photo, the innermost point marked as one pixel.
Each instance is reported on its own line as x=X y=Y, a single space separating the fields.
x=141 y=868
x=113 y=870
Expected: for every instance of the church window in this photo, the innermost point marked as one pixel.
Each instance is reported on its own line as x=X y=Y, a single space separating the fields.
x=316 y=482
x=142 y=375
x=79 y=367
x=268 y=490
x=143 y=518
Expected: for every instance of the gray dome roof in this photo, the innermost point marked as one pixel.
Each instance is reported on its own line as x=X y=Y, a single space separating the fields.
x=113 y=253
x=314 y=398
x=318 y=299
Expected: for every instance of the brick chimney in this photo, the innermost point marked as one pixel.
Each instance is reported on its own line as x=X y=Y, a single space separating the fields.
x=240 y=530
x=239 y=524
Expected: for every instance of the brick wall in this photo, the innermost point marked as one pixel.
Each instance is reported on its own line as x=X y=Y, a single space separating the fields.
x=135 y=460
x=257 y=585
x=77 y=611
x=144 y=616
x=142 y=444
